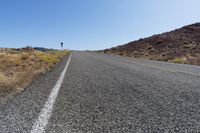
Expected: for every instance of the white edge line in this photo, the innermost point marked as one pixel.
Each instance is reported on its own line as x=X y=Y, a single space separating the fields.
x=45 y=114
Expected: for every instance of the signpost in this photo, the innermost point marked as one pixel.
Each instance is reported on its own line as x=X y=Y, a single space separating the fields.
x=61 y=44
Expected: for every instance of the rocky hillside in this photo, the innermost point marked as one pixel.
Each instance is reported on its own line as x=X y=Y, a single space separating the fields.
x=180 y=46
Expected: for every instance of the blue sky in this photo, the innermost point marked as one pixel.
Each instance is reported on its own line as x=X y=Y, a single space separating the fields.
x=90 y=24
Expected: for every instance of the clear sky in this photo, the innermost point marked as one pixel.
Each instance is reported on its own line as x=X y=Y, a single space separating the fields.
x=90 y=24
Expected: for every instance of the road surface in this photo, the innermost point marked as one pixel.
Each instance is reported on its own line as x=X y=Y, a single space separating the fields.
x=103 y=93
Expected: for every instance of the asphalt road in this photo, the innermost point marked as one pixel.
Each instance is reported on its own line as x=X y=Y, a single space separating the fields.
x=102 y=93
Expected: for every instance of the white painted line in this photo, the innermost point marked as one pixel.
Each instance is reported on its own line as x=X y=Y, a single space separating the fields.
x=45 y=114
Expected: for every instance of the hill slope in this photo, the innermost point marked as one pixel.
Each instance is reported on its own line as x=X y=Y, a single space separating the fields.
x=180 y=45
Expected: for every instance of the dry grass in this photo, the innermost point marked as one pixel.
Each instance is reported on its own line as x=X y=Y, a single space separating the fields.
x=2 y=77
x=19 y=67
x=50 y=57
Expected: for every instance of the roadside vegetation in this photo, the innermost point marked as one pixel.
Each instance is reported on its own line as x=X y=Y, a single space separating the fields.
x=18 y=67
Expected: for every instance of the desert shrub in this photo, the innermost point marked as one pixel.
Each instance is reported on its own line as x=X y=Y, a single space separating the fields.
x=113 y=49
x=24 y=55
x=149 y=47
x=185 y=42
x=170 y=45
x=179 y=60
x=12 y=51
x=159 y=42
x=163 y=54
x=186 y=46
x=159 y=58
x=13 y=60
x=17 y=62
x=2 y=77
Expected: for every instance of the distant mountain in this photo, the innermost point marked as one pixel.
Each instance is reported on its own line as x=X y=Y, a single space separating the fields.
x=180 y=46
